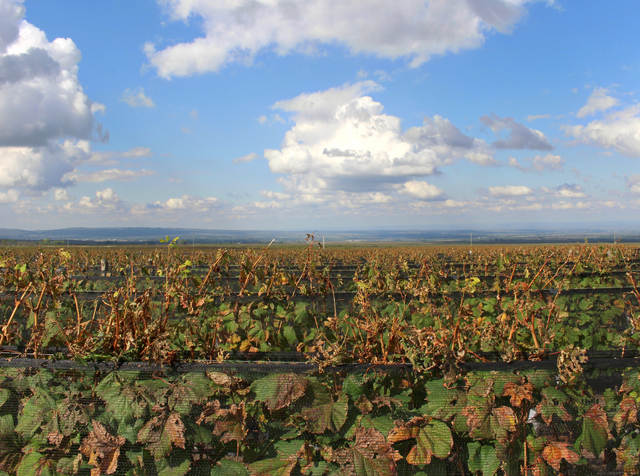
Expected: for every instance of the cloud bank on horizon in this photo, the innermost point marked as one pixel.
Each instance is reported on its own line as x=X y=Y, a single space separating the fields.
x=317 y=113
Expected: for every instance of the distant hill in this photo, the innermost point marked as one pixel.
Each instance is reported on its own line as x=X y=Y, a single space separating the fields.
x=188 y=235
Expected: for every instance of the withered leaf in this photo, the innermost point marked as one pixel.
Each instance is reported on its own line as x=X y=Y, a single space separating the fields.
x=161 y=433
x=102 y=449
x=229 y=423
x=518 y=392
x=372 y=455
x=556 y=451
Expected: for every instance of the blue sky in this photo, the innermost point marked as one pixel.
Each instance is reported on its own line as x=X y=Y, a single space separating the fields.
x=309 y=114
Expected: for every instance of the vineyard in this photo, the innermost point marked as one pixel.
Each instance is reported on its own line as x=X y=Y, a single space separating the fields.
x=442 y=360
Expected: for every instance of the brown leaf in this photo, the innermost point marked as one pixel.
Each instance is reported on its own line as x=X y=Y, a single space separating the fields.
x=55 y=438
x=556 y=451
x=102 y=449
x=175 y=428
x=518 y=393
x=506 y=418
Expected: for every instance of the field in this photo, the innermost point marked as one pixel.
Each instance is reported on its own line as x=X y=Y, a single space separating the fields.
x=367 y=361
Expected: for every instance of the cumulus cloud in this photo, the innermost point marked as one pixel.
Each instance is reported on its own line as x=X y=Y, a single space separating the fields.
x=421 y=190
x=236 y=31
x=519 y=136
x=618 y=130
x=246 y=158
x=105 y=199
x=342 y=141
x=41 y=168
x=61 y=195
x=539 y=163
x=598 y=101
x=46 y=120
x=136 y=98
x=510 y=191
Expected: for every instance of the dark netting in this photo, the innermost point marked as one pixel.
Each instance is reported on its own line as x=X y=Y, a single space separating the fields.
x=239 y=418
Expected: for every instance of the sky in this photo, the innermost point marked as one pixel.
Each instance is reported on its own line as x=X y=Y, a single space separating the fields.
x=317 y=114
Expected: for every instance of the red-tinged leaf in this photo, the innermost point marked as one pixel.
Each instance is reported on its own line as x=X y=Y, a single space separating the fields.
x=556 y=451
x=279 y=390
x=628 y=412
x=102 y=449
x=595 y=430
x=327 y=417
x=506 y=418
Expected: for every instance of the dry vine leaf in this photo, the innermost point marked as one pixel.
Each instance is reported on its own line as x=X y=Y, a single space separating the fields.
x=556 y=451
x=433 y=438
x=161 y=432
x=102 y=449
x=518 y=393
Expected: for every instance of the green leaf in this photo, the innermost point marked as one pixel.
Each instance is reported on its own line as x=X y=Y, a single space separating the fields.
x=164 y=469
x=595 y=431
x=483 y=458
x=4 y=396
x=227 y=467
x=36 y=464
x=273 y=467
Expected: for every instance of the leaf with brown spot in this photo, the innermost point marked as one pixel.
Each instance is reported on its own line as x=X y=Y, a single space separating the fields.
x=279 y=390
x=433 y=438
x=229 y=423
x=102 y=449
x=373 y=455
x=518 y=393
x=556 y=451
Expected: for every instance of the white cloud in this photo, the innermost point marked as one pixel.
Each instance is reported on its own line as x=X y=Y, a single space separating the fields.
x=235 y=31
x=10 y=196
x=61 y=195
x=618 y=130
x=111 y=157
x=633 y=184
x=118 y=175
x=188 y=202
x=510 y=191
x=106 y=200
x=136 y=98
x=46 y=120
x=421 y=190
x=194 y=114
x=97 y=107
x=519 y=136
x=540 y=163
x=566 y=191
x=274 y=195
x=342 y=141
x=598 y=101
x=40 y=168
x=246 y=158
